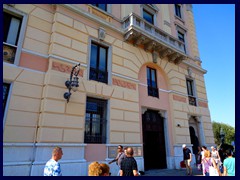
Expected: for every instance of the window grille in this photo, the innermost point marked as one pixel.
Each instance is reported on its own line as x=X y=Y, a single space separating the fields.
x=95 y=121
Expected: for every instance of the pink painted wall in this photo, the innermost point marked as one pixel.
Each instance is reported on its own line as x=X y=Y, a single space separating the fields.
x=161 y=103
x=95 y=152
x=152 y=102
x=33 y=62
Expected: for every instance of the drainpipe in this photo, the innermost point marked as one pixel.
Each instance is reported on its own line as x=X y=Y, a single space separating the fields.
x=34 y=150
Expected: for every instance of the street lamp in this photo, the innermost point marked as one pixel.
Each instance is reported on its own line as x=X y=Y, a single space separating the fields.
x=222 y=135
x=72 y=84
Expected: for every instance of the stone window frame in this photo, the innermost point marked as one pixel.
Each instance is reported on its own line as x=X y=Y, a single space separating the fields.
x=152 y=9
x=11 y=10
x=109 y=58
x=182 y=30
x=181 y=17
x=105 y=103
x=193 y=86
x=109 y=9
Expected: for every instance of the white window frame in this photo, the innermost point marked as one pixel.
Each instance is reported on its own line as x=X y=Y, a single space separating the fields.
x=109 y=9
x=181 y=11
x=194 y=89
x=24 y=17
x=184 y=32
x=109 y=58
x=151 y=9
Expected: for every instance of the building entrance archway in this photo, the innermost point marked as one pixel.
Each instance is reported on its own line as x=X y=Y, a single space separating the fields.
x=154 y=150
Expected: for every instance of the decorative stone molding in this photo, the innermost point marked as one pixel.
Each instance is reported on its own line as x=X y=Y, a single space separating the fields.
x=150 y=45
x=165 y=53
x=189 y=71
x=101 y=14
x=179 y=98
x=179 y=59
x=203 y=104
x=124 y=84
x=139 y=40
x=129 y=36
x=167 y=23
x=101 y=33
x=154 y=56
x=173 y=56
x=144 y=109
x=64 y=68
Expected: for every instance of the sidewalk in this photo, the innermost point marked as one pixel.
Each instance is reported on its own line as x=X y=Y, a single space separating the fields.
x=171 y=172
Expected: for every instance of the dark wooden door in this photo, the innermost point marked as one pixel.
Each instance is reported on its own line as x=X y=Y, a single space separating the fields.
x=153 y=141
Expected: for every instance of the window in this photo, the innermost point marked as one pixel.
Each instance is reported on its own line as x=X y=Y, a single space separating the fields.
x=101 y=6
x=148 y=16
x=98 y=63
x=181 y=38
x=191 y=94
x=152 y=82
x=5 y=95
x=11 y=31
x=95 y=122
x=178 y=10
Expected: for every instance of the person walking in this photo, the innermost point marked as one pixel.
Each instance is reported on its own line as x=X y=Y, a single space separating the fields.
x=117 y=159
x=204 y=148
x=123 y=156
x=229 y=164
x=52 y=167
x=128 y=166
x=199 y=159
x=215 y=156
x=207 y=162
x=187 y=157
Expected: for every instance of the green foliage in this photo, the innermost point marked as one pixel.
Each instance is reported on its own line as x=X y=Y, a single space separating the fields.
x=227 y=129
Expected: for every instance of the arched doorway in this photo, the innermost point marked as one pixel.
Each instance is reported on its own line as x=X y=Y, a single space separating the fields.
x=154 y=150
x=194 y=135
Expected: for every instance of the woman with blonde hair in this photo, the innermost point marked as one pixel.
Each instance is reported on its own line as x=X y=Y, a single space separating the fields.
x=207 y=162
x=97 y=169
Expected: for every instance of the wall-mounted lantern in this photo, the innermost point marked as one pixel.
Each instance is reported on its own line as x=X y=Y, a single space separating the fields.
x=72 y=84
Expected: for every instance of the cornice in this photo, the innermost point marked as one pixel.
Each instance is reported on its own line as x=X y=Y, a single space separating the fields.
x=194 y=66
x=92 y=17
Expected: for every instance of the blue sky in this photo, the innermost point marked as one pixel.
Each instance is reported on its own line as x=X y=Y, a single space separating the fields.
x=215 y=28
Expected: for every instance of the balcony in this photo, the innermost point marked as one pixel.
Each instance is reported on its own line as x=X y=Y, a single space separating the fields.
x=140 y=32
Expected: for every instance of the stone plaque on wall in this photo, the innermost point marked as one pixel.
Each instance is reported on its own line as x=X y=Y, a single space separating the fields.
x=112 y=151
x=137 y=151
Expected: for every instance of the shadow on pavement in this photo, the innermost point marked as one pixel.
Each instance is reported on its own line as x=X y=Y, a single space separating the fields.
x=171 y=172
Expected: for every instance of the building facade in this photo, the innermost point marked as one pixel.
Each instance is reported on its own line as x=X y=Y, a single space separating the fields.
x=141 y=84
